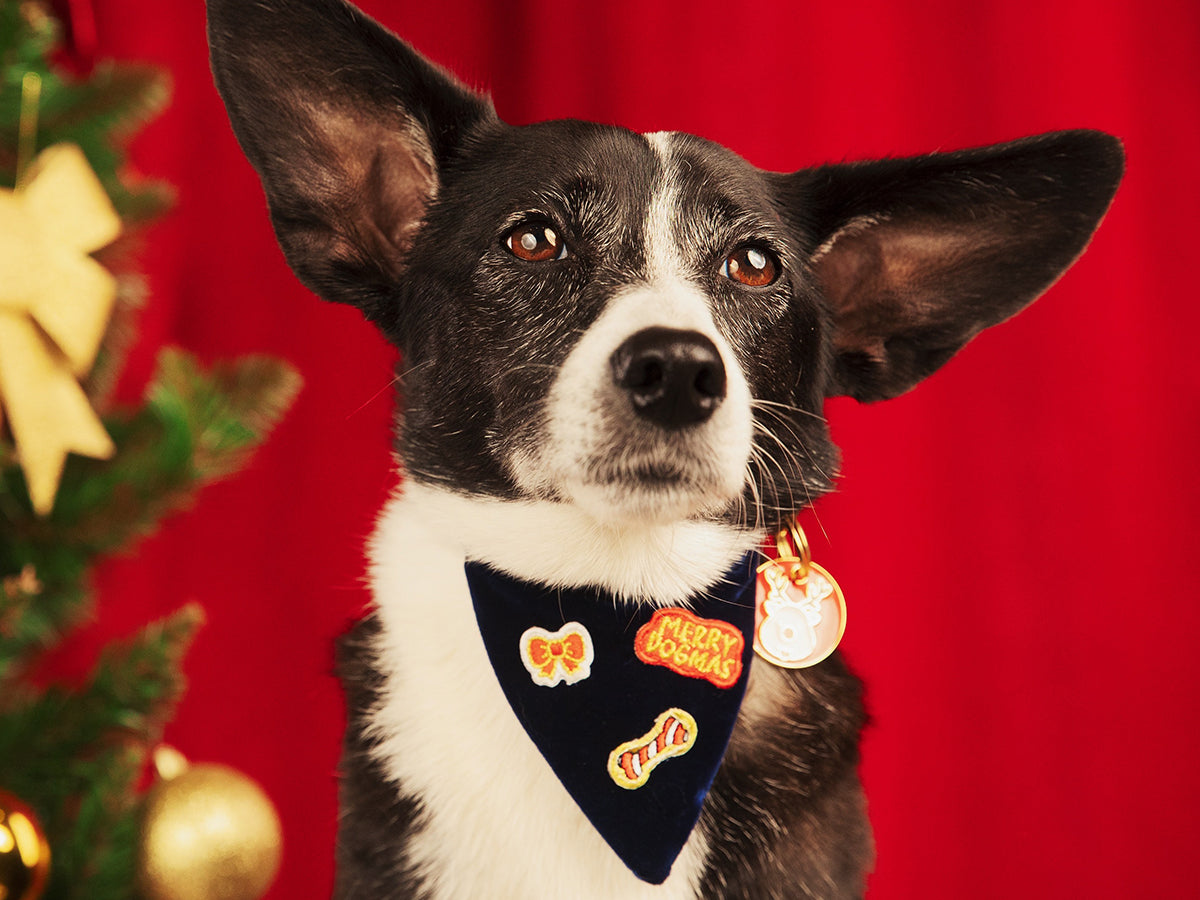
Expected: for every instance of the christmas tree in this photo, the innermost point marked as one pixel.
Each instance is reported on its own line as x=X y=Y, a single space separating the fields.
x=82 y=477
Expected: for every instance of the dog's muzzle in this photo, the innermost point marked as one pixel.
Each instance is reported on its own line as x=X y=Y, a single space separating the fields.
x=673 y=378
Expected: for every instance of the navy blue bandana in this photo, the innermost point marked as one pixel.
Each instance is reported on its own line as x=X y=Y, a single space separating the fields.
x=631 y=706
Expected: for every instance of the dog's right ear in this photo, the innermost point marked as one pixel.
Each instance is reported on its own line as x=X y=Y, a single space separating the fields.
x=348 y=128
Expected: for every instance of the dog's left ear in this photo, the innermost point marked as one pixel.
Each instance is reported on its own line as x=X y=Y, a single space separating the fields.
x=348 y=127
x=917 y=256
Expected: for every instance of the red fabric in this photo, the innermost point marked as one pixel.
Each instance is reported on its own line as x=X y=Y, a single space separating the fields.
x=1014 y=537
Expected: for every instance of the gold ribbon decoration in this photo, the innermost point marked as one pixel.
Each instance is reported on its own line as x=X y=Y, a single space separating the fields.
x=55 y=302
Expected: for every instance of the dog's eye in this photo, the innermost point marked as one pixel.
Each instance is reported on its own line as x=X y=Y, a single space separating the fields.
x=751 y=265
x=535 y=242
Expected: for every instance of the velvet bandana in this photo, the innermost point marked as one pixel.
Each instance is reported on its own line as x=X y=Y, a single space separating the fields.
x=631 y=705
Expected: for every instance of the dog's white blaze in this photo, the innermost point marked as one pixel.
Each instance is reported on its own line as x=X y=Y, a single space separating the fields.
x=497 y=823
x=663 y=261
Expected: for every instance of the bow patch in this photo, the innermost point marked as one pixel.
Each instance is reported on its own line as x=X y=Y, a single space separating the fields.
x=554 y=657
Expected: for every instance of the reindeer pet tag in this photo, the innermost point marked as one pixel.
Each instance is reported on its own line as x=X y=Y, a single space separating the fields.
x=800 y=613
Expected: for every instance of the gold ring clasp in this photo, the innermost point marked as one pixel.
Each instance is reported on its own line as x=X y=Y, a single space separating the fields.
x=792 y=545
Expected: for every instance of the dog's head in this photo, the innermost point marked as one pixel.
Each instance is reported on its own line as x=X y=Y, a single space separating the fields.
x=644 y=326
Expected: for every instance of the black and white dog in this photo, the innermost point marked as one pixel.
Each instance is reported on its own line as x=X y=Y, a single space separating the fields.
x=616 y=348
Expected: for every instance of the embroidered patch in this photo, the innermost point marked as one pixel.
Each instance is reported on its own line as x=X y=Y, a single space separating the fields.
x=692 y=646
x=673 y=734
x=554 y=657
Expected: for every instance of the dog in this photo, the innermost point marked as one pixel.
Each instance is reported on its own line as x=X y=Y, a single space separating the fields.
x=615 y=352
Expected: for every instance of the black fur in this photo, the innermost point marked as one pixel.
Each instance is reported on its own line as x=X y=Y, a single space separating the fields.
x=369 y=867
x=795 y=775
x=391 y=186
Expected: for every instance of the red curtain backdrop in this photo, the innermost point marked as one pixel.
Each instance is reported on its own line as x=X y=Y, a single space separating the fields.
x=1016 y=537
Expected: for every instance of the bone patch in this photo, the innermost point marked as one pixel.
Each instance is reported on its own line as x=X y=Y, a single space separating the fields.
x=673 y=734
x=691 y=646
x=558 y=657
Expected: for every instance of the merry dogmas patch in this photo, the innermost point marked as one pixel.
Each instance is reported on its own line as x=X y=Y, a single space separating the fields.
x=631 y=706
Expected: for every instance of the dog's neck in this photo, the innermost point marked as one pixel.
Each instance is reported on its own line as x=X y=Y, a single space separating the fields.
x=559 y=544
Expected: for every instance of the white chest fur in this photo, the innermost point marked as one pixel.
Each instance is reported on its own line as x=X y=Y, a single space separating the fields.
x=498 y=824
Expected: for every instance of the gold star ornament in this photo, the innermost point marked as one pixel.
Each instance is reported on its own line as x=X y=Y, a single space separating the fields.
x=55 y=302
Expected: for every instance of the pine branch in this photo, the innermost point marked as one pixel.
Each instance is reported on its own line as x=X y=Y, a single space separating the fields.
x=115 y=101
x=130 y=694
x=98 y=113
x=32 y=620
x=196 y=426
x=76 y=756
x=120 y=335
x=94 y=851
x=229 y=409
x=27 y=37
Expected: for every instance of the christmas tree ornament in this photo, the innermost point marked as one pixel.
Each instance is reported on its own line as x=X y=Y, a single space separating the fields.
x=55 y=302
x=208 y=833
x=800 y=610
x=24 y=853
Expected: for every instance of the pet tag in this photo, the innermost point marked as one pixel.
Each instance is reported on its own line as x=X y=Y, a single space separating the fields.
x=800 y=613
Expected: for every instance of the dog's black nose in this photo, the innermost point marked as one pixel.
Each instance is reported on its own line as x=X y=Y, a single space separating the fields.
x=674 y=378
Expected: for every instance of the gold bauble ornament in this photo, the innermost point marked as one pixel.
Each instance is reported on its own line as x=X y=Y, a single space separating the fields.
x=55 y=302
x=208 y=833
x=24 y=853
